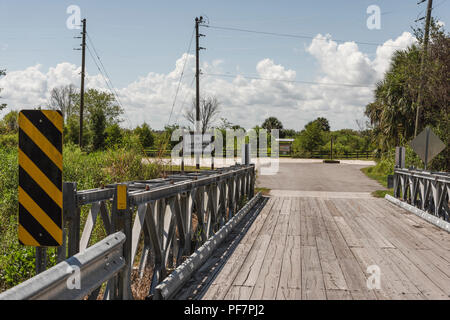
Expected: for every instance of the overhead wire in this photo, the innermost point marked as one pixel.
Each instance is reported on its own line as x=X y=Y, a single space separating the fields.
x=106 y=76
x=292 y=35
x=289 y=81
x=181 y=76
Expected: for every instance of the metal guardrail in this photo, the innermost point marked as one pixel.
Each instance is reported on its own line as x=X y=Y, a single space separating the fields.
x=426 y=190
x=157 y=224
x=91 y=268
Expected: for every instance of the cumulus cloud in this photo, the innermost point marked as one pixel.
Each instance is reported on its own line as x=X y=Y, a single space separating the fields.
x=30 y=88
x=245 y=101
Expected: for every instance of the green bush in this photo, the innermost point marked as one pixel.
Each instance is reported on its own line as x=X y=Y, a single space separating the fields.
x=9 y=140
x=20 y=266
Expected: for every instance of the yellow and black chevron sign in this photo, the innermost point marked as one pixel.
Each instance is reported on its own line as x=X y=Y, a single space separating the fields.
x=40 y=178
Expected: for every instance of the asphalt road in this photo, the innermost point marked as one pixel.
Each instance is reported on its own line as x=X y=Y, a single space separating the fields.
x=319 y=177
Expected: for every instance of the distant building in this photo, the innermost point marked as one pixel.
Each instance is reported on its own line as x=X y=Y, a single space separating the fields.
x=285 y=148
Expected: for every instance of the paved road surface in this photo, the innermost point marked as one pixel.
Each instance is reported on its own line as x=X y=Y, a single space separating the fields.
x=319 y=177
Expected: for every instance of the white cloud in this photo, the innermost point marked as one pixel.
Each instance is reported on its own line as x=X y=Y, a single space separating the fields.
x=244 y=101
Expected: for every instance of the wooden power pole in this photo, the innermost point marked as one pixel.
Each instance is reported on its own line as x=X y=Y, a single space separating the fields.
x=197 y=95
x=422 y=63
x=83 y=56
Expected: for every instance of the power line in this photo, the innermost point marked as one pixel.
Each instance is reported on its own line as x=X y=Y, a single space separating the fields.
x=289 y=81
x=294 y=35
x=181 y=76
x=111 y=89
x=110 y=85
x=184 y=101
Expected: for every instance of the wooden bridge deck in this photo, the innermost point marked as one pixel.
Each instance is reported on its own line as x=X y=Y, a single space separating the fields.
x=321 y=247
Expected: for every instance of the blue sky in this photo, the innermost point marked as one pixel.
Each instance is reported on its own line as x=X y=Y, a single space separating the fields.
x=135 y=38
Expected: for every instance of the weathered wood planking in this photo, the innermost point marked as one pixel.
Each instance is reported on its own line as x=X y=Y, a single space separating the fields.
x=320 y=248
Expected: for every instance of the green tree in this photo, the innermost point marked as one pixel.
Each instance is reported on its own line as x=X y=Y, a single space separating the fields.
x=72 y=131
x=272 y=123
x=98 y=100
x=97 y=127
x=145 y=135
x=10 y=121
x=288 y=133
x=310 y=139
x=323 y=122
x=101 y=111
x=114 y=136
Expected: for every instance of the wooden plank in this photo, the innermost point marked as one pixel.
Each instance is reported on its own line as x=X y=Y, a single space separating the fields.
x=294 y=224
x=249 y=272
x=290 y=280
x=306 y=225
x=366 y=228
x=267 y=283
x=347 y=232
x=353 y=274
x=272 y=217
x=282 y=225
x=442 y=264
x=393 y=228
x=376 y=257
x=434 y=273
x=401 y=239
x=239 y=293
x=439 y=278
x=349 y=215
x=338 y=295
x=286 y=207
x=415 y=275
x=312 y=279
x=295 y=204
x=431 y=236
x=251 y=266
x=387 y=282
x=235 y=263
x=332 y=273
x=356 y=280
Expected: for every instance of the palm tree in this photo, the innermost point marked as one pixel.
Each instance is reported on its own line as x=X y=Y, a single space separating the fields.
x=272 y=123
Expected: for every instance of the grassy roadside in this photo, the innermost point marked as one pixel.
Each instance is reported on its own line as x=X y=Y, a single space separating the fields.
x=374 y=173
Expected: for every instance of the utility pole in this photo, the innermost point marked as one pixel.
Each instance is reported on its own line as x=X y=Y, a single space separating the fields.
x=422 y=63
x=197 y=96
x=83 y=56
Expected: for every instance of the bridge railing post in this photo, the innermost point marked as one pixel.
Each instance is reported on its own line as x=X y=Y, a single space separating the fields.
x=71 y=214
x=122 y=221
x=71 y=222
